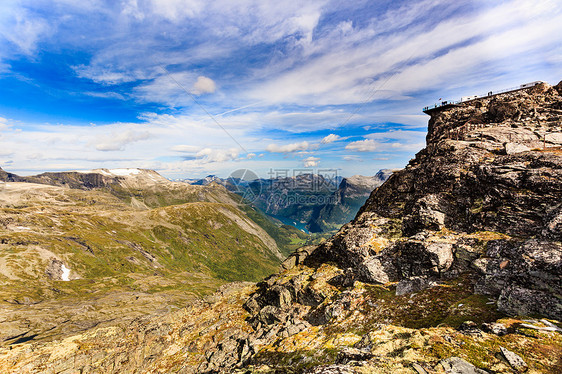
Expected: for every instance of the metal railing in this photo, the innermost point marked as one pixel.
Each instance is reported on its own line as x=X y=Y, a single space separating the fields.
x=489 y=94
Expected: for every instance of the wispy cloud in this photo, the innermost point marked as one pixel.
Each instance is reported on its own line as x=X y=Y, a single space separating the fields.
x=288 y=148
x=367 y=145
x=186 y=148
x=117 y=142
x=21 y=29
x=331 y=138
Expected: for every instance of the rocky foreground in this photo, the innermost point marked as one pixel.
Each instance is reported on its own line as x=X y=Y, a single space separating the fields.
x=454 y=265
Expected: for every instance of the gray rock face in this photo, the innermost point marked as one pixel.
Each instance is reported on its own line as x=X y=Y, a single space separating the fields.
x=455 y=365
x=372 y=270
x=523 y=301
x=526 y=276
x=514 y=359
x=511 y=148
x=427 y=214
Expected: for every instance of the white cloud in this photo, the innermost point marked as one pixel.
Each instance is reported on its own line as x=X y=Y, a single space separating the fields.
x=367 y=145
x=4 y=124
x=117 y=142
x=288 y=148
x=176 y=10
x=203 y=85
x=22 y=29
x=186 y=148
x=218 y=155
x=352 y=158
x=311 y=162
x=330 y=139
x=171 y=88
x=105 y=95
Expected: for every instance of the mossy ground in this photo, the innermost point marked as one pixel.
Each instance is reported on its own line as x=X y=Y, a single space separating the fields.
x=417 y=328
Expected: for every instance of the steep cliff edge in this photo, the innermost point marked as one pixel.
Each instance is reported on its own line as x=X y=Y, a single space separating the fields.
x=484 y=195
x=451 y=266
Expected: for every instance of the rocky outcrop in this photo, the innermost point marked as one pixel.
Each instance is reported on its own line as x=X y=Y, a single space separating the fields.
x=492 y=168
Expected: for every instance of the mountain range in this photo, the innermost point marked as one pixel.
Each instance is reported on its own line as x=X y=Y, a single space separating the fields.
x=319 y=203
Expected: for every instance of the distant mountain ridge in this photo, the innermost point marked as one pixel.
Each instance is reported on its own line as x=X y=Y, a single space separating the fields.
x=322 y=203
x=348 y=199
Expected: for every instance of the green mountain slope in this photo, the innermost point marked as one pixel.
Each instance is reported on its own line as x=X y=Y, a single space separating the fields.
x=126 y=245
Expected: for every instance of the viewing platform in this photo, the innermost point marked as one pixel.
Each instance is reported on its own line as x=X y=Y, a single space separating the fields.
x=450 y=104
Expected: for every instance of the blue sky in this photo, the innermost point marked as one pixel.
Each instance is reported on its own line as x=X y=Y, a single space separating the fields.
x=194 y=87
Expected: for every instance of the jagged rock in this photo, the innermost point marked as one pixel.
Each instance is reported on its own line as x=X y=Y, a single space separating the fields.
x=441 y=256
x=511 y=148
x=514 y=359
x=340 y=306
x=525 y=276
x=309 y=296
x=427 y=214
x=346 y=279
x=415 y=258
x=372 y=270
x=470 y=328
x=332 y=369
x=278 y=296
x=553 y=229
x=495 y=328
x=296 y=327
x=270 y=314
x=500 y=110
x=353 y=354
x=523 y=301
x=297 y=257
x=366 y=343
x=55 y=269
x=418 y=368
x=456 y=365
x=252 y=305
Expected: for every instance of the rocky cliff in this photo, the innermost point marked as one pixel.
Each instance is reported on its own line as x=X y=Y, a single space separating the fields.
x=454 y=265
x=484 y=195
